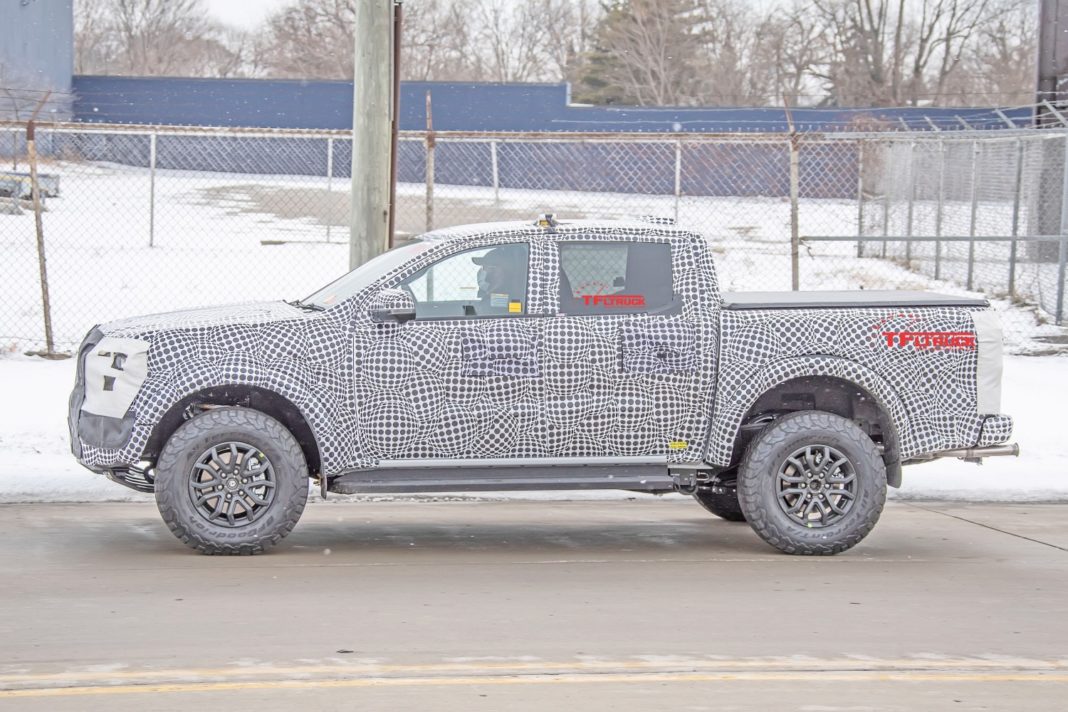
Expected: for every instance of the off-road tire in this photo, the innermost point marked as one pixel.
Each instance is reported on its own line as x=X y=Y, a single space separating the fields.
x=758 y=483
x=220 y=425
x=724 y=506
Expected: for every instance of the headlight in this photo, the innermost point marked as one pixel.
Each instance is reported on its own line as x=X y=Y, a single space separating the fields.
x=114 y=371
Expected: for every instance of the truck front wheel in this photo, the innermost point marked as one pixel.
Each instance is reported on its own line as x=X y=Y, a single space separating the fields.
x=231 y=481
x=812 y=483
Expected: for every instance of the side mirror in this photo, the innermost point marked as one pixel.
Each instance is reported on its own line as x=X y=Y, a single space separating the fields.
x=391 y=306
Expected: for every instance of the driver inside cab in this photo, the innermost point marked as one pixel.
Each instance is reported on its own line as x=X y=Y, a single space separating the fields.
x=502 y=279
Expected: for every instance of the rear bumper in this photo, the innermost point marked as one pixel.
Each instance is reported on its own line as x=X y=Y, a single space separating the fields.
x=996 y=429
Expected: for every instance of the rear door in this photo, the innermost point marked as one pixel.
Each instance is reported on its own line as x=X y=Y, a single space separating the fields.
x=621 y=356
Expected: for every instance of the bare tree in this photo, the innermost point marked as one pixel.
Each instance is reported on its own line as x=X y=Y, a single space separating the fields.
x=153 y=37
x=896 y=52
x=791 y=44
x=311 y=38
x=436 y=41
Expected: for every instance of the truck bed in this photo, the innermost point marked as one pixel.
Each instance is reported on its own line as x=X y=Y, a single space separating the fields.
x=870 y=298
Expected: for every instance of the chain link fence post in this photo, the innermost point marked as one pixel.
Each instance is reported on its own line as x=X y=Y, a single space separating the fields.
x=940 y=207
x=911 y=203
x=496 y=173
x=1016 y=192
x=152 y=190
x=887 y=173
x=860 y=197
x=1062 y=253
x=795 y=192
x=329 y=185
x=976 y=148
x=678 y=178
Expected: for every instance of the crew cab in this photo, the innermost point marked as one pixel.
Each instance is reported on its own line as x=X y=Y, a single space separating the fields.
x=545 y=355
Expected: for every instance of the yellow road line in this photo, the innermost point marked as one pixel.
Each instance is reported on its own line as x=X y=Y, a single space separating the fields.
x=534 y=667
x=569 y=678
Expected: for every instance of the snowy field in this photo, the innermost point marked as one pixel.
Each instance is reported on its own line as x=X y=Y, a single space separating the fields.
x=218 y=238
x=36 y=464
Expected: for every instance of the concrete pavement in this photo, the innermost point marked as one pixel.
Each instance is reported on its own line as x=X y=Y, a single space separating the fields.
x=645 y=604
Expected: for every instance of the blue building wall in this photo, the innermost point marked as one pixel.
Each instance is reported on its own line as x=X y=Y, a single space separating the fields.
x=751 y=168
x=36 y=55
x=457 y=106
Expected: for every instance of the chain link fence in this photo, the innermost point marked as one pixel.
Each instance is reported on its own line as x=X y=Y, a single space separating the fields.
x=142 y=219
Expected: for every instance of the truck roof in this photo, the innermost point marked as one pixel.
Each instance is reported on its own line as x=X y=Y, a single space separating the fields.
x=593 y=228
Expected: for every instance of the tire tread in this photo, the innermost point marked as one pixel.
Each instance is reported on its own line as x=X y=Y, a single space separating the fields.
x=203 y=425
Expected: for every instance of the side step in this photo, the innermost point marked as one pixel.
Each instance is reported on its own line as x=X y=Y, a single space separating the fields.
x=397 y=478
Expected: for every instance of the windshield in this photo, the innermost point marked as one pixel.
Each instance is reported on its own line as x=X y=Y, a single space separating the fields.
x=363 y=276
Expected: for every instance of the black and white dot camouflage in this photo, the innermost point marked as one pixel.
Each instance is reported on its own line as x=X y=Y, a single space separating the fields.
x=529 y=387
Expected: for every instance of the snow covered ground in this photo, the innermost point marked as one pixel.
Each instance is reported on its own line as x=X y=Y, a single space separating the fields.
x=36 y=464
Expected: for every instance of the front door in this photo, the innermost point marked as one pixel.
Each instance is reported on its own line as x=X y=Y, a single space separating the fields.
x=461 y=380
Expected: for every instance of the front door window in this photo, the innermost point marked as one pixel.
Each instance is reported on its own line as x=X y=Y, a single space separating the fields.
x=484 y=282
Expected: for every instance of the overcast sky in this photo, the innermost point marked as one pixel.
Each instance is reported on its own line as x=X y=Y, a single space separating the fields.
x=245 y=14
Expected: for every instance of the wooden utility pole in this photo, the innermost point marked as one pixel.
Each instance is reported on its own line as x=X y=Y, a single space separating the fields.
x=371 y=134
x=1052 y=84
x=398 y=24
x=1050 y=98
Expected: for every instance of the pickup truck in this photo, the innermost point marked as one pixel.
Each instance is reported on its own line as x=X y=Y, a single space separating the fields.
x=537 y=356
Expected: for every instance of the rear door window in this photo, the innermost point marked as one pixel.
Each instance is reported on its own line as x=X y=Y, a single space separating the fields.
x=615 y=277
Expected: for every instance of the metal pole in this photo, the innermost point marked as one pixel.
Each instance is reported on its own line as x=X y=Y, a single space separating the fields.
x=429 y=165
x=394 y=130
x=371 y=113
x=678 y=179
x=860 y=197
x=886 y=201
x=912 y=200
x=795 y=190
x=496 y=174
x=152 y=190
x=35 y=192
x=940 y=208
x=1016 y=215
x=1062 y=259
x=1062 y=256
x=329 y=185
x=976 y=147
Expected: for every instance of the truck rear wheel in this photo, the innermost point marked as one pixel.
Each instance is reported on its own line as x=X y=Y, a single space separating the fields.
x=231 y=481
x=812 y=483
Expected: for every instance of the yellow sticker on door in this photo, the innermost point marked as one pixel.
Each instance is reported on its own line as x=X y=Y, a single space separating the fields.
x=678 y=444
x=515 y=307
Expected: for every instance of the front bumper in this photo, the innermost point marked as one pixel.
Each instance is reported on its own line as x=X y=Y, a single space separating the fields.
x=100 y=442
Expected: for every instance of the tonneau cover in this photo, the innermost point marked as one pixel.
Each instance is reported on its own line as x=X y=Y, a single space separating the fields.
x=870 y=298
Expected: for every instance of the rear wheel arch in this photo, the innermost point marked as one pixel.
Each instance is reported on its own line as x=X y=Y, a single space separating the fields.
x=260 y=399
x=862 y=397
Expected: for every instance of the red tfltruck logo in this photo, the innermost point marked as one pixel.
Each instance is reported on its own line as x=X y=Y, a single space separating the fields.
x=613 y=300
x=921 y=340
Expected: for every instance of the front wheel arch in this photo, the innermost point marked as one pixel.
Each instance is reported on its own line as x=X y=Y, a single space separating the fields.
x=253 y=397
